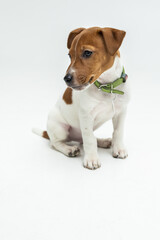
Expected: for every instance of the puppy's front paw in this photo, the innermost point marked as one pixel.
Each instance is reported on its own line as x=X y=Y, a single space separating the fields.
x=119 y=152
x=91 y=162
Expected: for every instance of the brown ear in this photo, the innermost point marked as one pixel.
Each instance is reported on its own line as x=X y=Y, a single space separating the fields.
x=72 y=35
x=113 y=39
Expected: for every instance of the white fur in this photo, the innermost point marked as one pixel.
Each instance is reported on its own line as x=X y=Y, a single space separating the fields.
x=89 y=110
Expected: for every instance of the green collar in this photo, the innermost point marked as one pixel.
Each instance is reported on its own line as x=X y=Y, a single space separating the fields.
x=109 y=87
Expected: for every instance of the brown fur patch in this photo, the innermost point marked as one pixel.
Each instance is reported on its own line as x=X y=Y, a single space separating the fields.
x=104 y=44
x=67 y=96
x=45 y=135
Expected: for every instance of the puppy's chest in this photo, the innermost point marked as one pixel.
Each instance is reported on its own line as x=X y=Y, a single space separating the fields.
x=105 y=109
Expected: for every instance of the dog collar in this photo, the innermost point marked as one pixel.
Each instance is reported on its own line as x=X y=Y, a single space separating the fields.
x=110 y=87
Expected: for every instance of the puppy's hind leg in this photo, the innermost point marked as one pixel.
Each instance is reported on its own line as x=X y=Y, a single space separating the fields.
x=104 y=142
x=58 y=132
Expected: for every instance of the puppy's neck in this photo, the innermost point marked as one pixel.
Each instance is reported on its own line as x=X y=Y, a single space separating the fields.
x=113 y=73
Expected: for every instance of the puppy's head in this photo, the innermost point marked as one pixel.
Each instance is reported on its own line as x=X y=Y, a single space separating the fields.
x=92 y=51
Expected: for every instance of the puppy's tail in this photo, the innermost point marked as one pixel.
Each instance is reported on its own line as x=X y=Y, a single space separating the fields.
x=41 y=133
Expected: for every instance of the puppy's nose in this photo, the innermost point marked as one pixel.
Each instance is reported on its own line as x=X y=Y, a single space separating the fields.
x=68 y=78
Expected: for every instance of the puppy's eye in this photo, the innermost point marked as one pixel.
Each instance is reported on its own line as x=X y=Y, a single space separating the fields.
x=69 y=55
x=86 y=54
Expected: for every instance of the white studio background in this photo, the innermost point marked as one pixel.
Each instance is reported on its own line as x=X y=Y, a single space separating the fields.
x=43 y=194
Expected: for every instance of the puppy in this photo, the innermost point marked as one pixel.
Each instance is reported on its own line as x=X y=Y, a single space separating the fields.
x=97 y=92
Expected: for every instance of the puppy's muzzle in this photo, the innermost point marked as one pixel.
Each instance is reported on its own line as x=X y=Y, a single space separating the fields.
x=71 y=82
x=68 y=78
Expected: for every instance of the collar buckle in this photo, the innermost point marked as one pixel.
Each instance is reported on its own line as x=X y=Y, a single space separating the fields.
x=103 y=85
x=110 y=87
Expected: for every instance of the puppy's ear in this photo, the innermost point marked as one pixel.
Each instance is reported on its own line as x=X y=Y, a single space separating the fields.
x=72 y=35
x=113 y=39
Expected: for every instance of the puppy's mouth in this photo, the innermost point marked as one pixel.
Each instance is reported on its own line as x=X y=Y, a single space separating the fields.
x=90 y=80
x=82 y=87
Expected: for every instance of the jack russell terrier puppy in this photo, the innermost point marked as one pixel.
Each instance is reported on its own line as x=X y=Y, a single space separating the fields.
x=97 y=91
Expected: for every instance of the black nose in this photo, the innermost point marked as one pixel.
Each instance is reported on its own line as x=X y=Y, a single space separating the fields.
x=68 y=78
